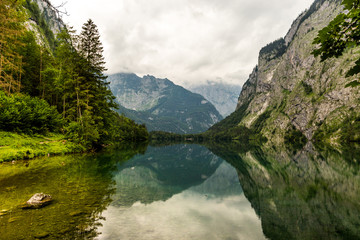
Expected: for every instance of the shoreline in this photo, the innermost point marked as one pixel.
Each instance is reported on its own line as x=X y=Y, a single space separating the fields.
x=16 y=146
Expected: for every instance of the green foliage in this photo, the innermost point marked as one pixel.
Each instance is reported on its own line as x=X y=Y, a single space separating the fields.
x=274 y=49
x=346 y=130
x=229 y=122
x=260 y=121
x=12 y=20
x=14 y=146
x=229 y=128
x=350 y=129
x=39 y=18
x=307 y=88
x=353 y=84
x=294 y=139
x=63 y=88
x=26 y=114
x=160 y=138
x=30 y=52
x=125 y=129
x=341 y=33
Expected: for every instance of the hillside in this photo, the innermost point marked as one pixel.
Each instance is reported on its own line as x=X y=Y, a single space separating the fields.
x=53 y=94
x=161 y=105
x=222 y=95
x=292 y=93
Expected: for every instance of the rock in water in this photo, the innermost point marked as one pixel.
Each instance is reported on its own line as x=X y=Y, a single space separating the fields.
x=39 y=200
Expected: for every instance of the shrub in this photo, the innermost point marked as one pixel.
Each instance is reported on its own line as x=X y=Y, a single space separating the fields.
x=21 y=113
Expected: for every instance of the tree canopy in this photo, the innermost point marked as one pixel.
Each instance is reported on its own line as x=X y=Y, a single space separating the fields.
x=59 y=86
x=11 y=29
x=341 y=33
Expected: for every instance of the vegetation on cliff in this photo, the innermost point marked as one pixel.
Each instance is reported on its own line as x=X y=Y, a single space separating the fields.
x=342 y=33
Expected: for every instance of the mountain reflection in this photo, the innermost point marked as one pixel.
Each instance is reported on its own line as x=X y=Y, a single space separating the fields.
x=308 y=195
x=163 y=172
x=179 y=192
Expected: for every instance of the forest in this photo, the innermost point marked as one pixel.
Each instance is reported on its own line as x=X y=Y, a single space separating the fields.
x=55 y=83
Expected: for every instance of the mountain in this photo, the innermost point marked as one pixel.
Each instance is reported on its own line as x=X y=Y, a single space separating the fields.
x=161 y=105
x=292 y=93
x=222 y=95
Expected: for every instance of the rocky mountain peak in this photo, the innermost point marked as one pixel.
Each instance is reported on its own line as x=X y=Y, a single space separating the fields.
x=290 y=89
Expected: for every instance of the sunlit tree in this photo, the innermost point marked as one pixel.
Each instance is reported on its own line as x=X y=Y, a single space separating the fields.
x=12 y=18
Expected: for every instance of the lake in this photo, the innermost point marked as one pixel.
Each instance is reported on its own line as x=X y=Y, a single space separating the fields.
x=227 y=191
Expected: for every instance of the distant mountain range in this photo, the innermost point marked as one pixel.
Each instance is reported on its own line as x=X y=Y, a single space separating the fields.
x=224 y=96
x=161 y=105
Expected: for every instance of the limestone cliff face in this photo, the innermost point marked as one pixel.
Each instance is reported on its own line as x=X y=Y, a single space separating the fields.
x=296 y=88
x=51 y=15
x=44 y=21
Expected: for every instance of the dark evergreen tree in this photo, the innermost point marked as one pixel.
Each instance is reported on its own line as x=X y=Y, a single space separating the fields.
x=99 y=99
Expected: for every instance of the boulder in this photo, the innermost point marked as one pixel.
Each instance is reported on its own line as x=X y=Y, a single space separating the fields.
x=39 y=200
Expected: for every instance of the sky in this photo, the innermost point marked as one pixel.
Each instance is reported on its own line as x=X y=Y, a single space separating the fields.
x=189 y=42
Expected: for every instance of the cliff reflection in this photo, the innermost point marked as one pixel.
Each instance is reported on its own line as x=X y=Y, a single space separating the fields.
x=307 y=195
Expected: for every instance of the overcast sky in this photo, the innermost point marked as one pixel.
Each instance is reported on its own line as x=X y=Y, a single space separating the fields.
x=186 y=41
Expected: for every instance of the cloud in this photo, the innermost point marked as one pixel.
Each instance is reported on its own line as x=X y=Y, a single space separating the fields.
x=186 y=41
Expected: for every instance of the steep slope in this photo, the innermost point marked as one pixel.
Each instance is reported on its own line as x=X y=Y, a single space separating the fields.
x=44 y=21
x=161 y=105
x=291 y=92
x=223 y=96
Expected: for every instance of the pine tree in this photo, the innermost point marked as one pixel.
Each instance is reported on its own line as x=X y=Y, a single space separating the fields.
x=12 y=19
x=91 y=48
x=99 y=99
x=70 y=85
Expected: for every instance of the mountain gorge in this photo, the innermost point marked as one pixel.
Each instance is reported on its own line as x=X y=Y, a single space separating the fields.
x=161 y=105
x=291 y=92
x=222 y=95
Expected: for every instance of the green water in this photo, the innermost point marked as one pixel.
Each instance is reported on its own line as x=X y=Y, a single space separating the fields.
x=185 y=192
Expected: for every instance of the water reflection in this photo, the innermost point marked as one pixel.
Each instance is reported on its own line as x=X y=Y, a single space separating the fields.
x=179 y=192
x=307 y=195
x=81 y=186
x=186 y=192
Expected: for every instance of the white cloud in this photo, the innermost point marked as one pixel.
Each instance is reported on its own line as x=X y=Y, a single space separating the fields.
x=186 y=41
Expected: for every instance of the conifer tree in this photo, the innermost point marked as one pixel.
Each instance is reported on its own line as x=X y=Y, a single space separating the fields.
x=99 y=99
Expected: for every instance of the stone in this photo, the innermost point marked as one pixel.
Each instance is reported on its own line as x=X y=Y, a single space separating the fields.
x=41 y=235
x=39 y=200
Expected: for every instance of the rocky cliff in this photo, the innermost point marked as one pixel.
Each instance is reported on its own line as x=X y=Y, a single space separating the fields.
x=44 y=21
x=291 y=90
x=51 y=15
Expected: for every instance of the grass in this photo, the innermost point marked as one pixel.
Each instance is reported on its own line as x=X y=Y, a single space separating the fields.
x=14 y=146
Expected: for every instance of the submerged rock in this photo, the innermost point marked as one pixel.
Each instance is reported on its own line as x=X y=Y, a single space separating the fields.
x=39 y=200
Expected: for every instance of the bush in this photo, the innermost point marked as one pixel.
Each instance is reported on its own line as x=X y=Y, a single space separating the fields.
x=21 y=113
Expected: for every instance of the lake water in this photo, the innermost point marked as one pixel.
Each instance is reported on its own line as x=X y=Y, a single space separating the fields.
x=186 y=192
